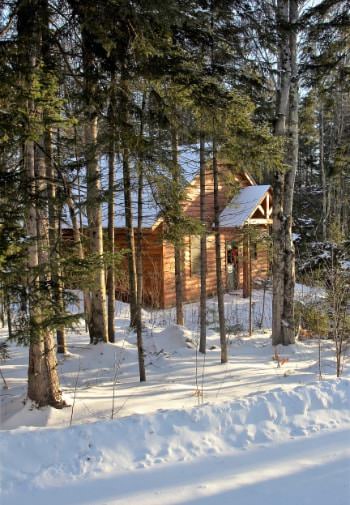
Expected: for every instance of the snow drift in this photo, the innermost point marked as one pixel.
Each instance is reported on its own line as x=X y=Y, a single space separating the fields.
x=42 y=458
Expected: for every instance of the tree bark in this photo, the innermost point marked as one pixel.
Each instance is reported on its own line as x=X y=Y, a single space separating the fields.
x=110 y=271
x=219 y=283
x=245 y=264
x=7 y=303
x=288 y=330
x=54 y=241
x=203 y=266
x=250 y=322
x=286 y=109
x=277 y=258
x=323 y=175
x=139 y=269
x=177 y=244
x=130 y=237
x=98 y=326
x=43 y=382
x=53 y=209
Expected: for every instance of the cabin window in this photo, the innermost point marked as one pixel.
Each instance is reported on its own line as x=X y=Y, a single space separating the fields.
x=195 y=254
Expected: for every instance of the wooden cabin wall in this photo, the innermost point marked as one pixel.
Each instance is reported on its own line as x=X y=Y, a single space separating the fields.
x=152 y=263
x=191 y=281
x=260 y=266
x=158 y=266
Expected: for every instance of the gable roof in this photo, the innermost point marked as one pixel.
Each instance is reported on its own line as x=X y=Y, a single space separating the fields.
x=242 y=206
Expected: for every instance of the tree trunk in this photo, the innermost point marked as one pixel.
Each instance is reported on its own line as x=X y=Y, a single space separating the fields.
x=278 y=226
x=7 y=304
x=250 y=285
x=277 y=258
x=53 y=209
x=128 y=201
x=130 y=237
x=219 y=283
x=98 y=325
x=203 y=266
x=323 y=175
x=110 y=272
x=177 y=244
x=54 y=240
x=139 y=269
x=43 y=382
x=288 y=331
x=98 y=320
x=245 y=264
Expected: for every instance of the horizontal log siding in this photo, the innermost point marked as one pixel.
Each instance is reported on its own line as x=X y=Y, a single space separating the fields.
x=152 y=264
x=191 y=281
x=158 y=266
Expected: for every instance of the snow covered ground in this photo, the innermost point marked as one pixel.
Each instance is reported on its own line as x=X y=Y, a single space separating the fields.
x=197 y=432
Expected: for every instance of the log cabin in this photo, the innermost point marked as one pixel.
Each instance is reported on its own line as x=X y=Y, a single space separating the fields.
x=245 y=219
x=245 y=222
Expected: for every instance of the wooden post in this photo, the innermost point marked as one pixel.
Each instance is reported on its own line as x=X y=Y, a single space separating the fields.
x=245 y=265
x=250 y=286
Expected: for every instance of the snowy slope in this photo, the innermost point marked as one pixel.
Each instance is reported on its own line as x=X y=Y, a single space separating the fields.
x=46 y=458
x=196 y=433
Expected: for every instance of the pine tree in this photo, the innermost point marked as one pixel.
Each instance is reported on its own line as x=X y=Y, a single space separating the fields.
x=43 y=382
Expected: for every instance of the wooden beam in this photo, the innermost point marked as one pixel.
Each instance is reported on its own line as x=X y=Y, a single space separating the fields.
x=259 y=221
x=262 y=210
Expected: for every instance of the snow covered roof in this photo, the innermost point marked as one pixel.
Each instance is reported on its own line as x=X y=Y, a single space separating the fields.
x=188 y=158
x=242 y=206
x=150 y=208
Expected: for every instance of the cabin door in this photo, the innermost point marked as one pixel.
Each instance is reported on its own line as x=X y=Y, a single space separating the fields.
x=232 y=266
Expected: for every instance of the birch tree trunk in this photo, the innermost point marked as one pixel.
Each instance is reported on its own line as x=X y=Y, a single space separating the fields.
x=98 y=326
x=288 y=330
x=203 y=266
x=219 y=284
